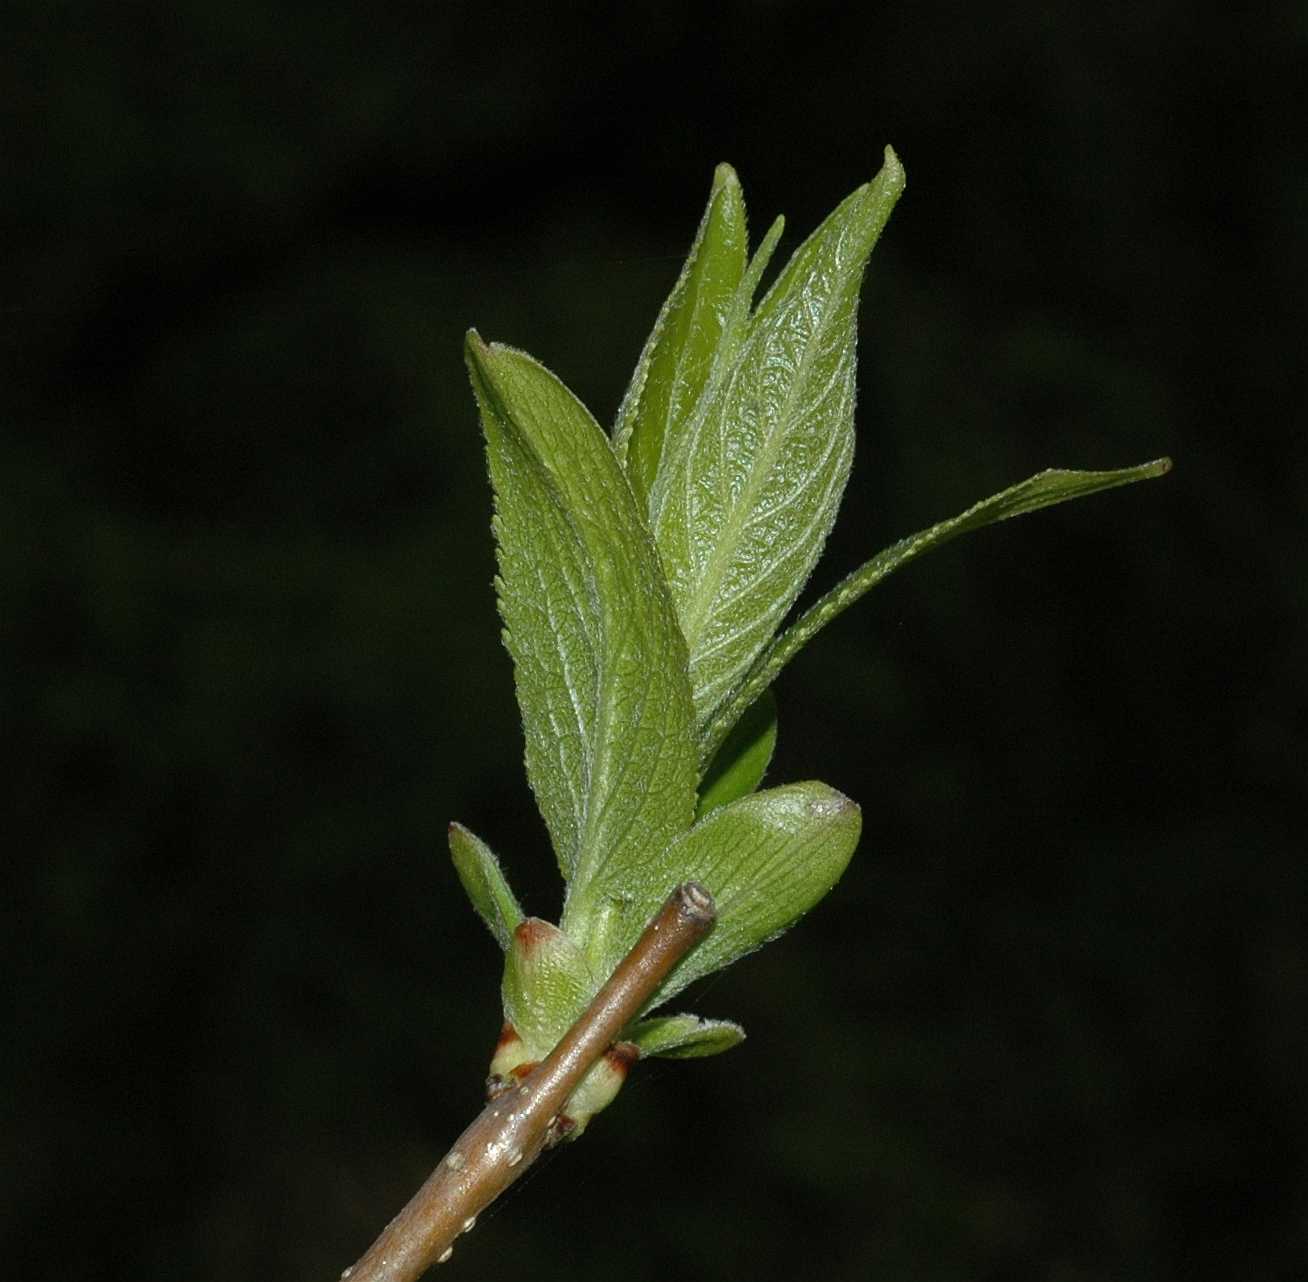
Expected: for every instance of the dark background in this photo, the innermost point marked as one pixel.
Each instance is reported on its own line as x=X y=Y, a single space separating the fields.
x=1052 y=1023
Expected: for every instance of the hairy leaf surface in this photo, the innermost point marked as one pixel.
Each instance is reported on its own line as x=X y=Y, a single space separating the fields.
x=599 y=663
x=743 y=505
x=684 y=1036
x=546 y=986
x=679 y=353
x=766 y=858
x=479 y=872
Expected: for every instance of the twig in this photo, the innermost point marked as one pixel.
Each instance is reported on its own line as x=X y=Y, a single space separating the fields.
x=511 y=1130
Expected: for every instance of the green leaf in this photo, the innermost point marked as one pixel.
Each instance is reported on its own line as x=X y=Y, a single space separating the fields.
x=678 y=354
x=599 y=663
x=739 y=765
x=480 y=873
x=742 y=507
x=547 y=985
x=734 y=328
x=766 y=858
x=1042 y=490
x=684 y=1036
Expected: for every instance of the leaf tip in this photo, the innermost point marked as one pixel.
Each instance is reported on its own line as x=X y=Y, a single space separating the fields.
x=893 y=165
x=830 y=804
x=476 y=353
x=723 y=176
x=532 y=934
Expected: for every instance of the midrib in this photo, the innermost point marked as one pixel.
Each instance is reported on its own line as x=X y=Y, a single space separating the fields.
x=725 y=547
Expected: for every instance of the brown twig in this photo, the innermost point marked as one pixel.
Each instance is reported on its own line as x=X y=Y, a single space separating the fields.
x=511 y=1130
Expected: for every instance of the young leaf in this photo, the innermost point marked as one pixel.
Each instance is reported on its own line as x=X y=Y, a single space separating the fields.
x=735 y=324
x=739 y=765
x=766 y=859
x=684 y=1036
x=1045 y=489
x=742 y=509
x=479 y=871
x=599 y=663
x=675 y=362
x=546 y=986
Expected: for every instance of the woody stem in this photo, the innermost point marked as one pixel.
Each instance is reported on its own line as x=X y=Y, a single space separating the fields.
x=511 y=1130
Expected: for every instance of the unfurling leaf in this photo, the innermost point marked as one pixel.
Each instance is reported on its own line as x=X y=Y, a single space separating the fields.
x=679 y=353
x=684 y=409
x=744 y=501
x=480 y=873
x=599 y=663
x=1045 y=489
x=684 y=1036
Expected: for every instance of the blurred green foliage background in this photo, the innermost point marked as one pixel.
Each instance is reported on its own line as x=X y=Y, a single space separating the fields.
x=1052 y=1023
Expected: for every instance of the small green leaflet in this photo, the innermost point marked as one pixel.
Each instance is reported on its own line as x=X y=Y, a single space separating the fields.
x=684 y=1036
x=479 y=871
